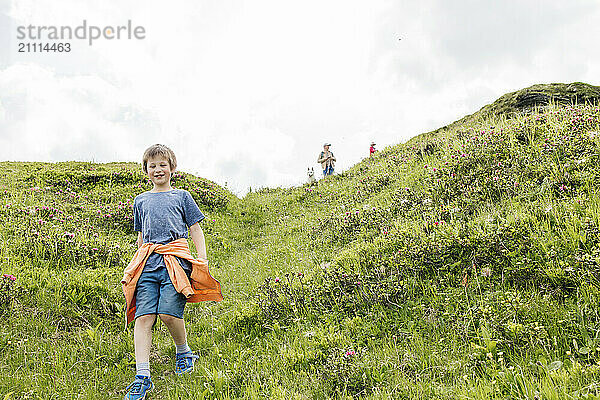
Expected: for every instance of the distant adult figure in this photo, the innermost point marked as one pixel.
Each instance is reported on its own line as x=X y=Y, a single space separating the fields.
x=372 y=149
x=327 y=160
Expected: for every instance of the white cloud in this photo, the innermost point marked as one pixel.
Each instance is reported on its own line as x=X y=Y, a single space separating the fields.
x=66 y=118
x=246 y=92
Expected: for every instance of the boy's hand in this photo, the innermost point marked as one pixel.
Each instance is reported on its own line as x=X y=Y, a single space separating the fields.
x=198 y=238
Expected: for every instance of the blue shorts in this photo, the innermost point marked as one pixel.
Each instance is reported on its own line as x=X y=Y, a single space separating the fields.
x=155 y=294
x=328 y=171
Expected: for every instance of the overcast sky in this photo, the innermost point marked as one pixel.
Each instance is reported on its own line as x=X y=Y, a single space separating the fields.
x=246 y=92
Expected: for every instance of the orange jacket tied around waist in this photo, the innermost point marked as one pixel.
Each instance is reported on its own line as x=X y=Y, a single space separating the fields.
x=200 y=287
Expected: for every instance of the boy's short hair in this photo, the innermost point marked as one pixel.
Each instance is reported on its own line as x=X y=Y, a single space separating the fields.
x=159 y=150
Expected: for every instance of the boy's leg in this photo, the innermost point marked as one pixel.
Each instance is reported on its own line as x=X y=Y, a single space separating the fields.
x=185 y=358
x=176 y=328
x=146 y=308
x=142 y=339
x=170 y=309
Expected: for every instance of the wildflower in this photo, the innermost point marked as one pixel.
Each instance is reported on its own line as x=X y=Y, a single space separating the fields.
x=350 y=353
x=276 y=280
x=9 y=277
x=487 y=272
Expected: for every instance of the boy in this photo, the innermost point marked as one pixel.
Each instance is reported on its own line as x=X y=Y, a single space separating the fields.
x=163 y=275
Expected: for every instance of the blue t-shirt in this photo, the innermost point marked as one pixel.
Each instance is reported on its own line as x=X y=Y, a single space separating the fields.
x=163 y=217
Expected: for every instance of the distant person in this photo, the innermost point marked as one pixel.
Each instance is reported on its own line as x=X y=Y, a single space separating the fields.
x=163 y=275
x=372 y=149
x=327 y=160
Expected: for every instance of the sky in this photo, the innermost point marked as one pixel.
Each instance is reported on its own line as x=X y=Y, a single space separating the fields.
x=246 y=92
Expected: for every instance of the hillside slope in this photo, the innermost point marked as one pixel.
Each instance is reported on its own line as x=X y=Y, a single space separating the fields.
x=469 y=268
x=523 y=101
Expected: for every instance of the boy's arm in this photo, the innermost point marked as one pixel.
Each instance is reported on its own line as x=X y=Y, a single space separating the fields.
x=139 y=240
x=198 y=237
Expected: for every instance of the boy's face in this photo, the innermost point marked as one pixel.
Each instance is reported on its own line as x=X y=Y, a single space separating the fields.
x=159 y=170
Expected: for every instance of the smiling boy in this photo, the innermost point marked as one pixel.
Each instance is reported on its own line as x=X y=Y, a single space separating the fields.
x=163 y=275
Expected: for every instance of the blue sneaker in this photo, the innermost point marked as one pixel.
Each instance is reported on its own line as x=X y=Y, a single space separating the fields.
x=138 y=389
x=184 y=362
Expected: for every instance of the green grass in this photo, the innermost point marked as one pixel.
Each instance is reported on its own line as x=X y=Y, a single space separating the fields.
x=468 y=269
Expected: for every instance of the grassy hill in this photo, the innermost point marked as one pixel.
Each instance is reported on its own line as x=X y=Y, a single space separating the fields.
x=523 y=101
x=462 y=264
